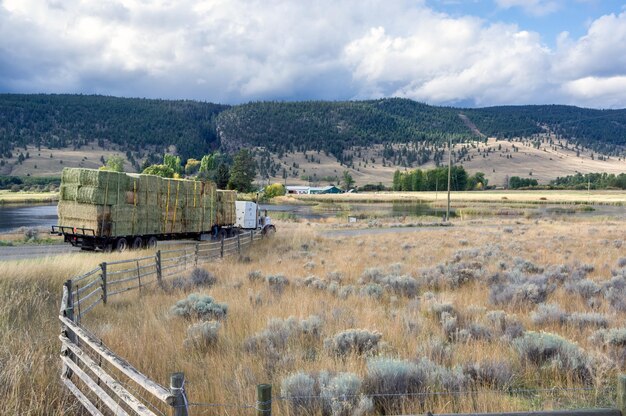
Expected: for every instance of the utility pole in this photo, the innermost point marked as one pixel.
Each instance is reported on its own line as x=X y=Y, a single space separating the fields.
x=449 y=175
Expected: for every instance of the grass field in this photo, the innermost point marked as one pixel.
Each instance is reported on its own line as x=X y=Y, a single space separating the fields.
x=504 y=197
x=8 y=197
x=459 y=308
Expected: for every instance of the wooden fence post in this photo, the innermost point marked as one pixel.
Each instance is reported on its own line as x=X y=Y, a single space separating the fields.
x=177 y=388
x=621 y=393
x=103 y=267
x=159 y=273
x=67 y=310
x=222 y=247
x=238 y=244
x=251 y=237
x=264 y=399
x=197 y=254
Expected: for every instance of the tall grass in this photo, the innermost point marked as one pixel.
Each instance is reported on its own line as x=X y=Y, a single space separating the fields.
x=444 y=329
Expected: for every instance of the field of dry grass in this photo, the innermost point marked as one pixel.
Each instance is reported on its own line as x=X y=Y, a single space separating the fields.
x=505 y=197
x=449 y=309
x=8 y=197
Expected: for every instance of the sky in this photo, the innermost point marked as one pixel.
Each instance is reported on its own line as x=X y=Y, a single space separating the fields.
x=470 y=53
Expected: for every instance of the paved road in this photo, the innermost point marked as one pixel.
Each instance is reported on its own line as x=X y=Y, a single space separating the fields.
x=29 y=252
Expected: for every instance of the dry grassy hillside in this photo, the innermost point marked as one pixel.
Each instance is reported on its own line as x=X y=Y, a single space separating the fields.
x=50 y=162
x=543 y=164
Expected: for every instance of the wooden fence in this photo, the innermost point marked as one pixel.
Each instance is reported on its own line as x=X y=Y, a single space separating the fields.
x=101 y=380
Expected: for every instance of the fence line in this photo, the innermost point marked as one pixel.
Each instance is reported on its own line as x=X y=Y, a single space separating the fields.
x=89 y=367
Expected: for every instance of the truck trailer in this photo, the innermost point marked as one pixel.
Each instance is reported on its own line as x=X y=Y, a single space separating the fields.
x=105 y=210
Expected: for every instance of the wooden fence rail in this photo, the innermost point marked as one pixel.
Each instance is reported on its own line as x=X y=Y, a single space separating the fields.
x=101 y=381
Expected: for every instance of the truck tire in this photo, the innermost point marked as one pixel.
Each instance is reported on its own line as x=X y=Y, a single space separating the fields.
x=137 y=243
x=269 y=231
x=121 y=245
x=152 y=242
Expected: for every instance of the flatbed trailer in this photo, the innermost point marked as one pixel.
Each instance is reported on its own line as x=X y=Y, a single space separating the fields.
x=88 y=240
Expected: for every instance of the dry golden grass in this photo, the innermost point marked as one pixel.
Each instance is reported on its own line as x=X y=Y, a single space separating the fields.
x=543 y=163
x=7 y=197
x=141 y=328
x=504 y=197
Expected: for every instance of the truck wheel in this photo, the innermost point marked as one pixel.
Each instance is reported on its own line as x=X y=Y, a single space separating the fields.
x=121 y=245
x=137 y=243
x=269 y=231
x=152 y=242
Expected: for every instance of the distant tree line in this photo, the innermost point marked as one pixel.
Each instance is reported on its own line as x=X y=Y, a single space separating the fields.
x=26 y=182
x=437 y=179
x=591 y=180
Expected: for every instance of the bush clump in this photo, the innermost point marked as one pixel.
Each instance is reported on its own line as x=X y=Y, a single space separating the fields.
x=330 y=394
x=515 y=288
x=542 y=348
x=492 y=374
x=277 y=283
x=202 y=335
x=200 y=306
x=389 y=378
x=353 y=341
x=202 y=277
x=280 y=331
x=398 y=285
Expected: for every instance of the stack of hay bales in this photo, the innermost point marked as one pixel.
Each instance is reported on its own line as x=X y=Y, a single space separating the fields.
x=119 y=204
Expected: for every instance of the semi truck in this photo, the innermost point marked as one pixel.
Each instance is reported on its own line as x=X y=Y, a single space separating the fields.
x=105 y=210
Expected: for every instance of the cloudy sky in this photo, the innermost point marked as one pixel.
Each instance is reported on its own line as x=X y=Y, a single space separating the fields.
x=447 y=52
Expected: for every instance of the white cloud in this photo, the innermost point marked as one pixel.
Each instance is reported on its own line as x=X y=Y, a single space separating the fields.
x=598 y=92
x=241 y=50
x=533 y=7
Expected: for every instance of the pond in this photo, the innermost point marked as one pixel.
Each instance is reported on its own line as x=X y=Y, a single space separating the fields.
x=16 y=216
x=45 y=215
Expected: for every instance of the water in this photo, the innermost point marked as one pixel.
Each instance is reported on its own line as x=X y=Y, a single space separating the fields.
x=16 y=216
x=45 y=215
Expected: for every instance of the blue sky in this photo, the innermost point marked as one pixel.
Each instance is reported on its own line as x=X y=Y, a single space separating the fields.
x=443 y=52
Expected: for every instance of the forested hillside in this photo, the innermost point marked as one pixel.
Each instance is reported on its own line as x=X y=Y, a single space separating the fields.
x=61 y=121
x=334 y=127
x=601 y=130
x=195 y=128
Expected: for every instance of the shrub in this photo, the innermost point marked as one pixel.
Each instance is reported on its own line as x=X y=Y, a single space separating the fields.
x=452 y=275
x=493 y=374
x=586 y=319
x=280 y=331
x=514 y=289
x=585 y=288
x=615 y=337
x=621 y=262
x=372 y=290
x=508 y=326
x=545 y=348
x=473 y=332
x=255 y=275
x=526 y=266
x=277 y=283
x=315 y=282
x=200 y=306
x=547 y=314
x=31 y=234
x=353 y=341
x=202 y=335
x=399 y=285
x=388 y=379
x=299 y=390
x=202 y=277
x=340 y=395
